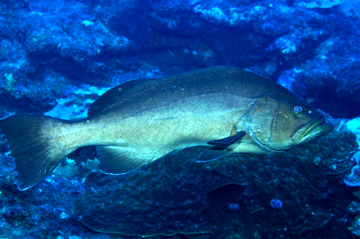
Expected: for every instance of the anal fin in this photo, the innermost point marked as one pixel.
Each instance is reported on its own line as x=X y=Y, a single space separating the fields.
x=211 y=155
x=120 y=160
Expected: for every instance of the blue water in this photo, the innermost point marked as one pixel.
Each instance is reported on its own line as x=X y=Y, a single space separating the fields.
x=57 y=57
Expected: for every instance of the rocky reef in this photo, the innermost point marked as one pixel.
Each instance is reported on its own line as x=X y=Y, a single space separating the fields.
x=51 y=48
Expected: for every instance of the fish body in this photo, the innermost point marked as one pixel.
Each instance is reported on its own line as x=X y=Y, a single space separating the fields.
x=225 y=108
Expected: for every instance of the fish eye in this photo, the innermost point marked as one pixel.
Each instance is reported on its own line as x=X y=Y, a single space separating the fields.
x=298 y=110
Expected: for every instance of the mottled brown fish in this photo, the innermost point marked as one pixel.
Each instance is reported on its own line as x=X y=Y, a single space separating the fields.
x=225 y=108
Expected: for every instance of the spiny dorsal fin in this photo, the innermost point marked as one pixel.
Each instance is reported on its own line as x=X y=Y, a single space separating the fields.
x=116 y=95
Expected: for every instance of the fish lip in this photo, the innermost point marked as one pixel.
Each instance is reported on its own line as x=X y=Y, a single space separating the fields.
x=317 y=129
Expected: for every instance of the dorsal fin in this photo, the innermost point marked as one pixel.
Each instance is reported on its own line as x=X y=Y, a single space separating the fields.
x=117 y=94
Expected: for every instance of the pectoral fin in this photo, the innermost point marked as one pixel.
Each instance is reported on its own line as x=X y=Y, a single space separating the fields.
x=226 y=142
x=220 y=149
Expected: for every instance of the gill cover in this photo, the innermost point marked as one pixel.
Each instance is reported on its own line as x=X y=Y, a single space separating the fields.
x=259 y=121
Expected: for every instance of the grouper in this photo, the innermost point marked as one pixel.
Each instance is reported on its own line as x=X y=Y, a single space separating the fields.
x=225 y=109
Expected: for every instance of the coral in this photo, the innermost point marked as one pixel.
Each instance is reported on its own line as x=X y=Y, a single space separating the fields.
x=351 y=8
x=76 y=104
x=234 y=206
x=319 y=4
x=354 y=178
x=354 y=126
x=276 y=203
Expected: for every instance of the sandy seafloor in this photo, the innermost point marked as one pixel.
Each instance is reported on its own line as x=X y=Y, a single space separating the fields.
x=57 y=57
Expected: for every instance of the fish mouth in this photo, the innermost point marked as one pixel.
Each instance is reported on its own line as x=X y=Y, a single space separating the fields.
x=319 y=128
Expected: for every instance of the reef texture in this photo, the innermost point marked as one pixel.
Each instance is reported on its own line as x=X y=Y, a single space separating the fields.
x=51 y=48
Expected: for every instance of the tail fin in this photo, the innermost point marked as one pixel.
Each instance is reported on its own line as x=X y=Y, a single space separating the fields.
x=34 y=146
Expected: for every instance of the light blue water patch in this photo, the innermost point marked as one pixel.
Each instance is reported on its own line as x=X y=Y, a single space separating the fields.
x=354 y=178
x=354 y=126
x=76 y=105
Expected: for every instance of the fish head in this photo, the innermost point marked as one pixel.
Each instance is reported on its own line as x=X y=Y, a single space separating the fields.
x=279 y=123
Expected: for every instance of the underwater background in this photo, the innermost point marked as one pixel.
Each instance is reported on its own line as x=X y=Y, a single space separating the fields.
x=58 y=56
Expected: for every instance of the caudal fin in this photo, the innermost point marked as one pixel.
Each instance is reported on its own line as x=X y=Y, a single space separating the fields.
x=34 y=145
